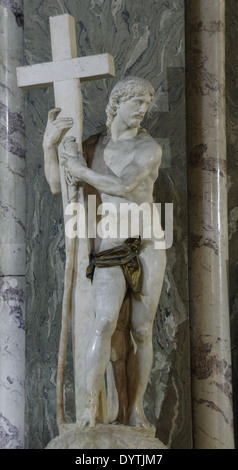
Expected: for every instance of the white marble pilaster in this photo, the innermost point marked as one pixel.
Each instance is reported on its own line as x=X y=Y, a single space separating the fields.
x=208 y=238
x=12 y=233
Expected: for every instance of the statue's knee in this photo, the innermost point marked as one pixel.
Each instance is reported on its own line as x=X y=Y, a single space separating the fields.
x=142 y=334
x=105 y=325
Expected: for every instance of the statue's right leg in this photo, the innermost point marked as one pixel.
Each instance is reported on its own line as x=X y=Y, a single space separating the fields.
x=108 y=292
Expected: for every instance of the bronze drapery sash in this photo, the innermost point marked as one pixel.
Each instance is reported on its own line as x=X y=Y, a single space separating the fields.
x=125 y=255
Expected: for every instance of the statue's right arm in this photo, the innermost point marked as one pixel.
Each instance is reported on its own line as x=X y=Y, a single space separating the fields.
x=51 y=167
x=54 y=132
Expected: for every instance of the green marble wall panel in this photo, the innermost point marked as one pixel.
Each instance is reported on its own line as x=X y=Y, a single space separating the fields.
x=232 y=162
x=146 y=38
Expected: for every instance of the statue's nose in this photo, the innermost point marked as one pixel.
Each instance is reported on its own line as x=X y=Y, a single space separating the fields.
x=143 y=107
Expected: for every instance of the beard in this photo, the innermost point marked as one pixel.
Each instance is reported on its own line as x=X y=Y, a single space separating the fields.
x=134 y=122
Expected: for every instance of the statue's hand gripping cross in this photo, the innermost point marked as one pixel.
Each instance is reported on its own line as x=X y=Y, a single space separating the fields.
x=65 y=73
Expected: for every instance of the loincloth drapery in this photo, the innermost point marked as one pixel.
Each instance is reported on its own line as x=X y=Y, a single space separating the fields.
x=125 y=255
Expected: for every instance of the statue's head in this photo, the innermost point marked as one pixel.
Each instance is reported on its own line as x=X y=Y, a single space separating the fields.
x=126 y=89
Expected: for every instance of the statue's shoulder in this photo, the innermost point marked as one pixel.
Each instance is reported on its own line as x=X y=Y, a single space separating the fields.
x=147 y=139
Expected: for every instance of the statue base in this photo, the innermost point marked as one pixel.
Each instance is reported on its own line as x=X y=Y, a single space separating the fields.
x=105 y=436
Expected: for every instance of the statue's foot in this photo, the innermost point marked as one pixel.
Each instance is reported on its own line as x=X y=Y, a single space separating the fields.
x=137 y=419
x=88 y=419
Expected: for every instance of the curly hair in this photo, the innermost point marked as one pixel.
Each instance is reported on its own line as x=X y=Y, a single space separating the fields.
x=124 y=90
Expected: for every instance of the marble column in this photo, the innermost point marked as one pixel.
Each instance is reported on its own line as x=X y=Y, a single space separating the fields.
x=12 y=233
x=208 y=239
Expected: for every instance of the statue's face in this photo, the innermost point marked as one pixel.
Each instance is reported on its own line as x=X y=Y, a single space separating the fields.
x=133 y=110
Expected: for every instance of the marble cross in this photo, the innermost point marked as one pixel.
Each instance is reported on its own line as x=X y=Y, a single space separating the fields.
x=65 y=73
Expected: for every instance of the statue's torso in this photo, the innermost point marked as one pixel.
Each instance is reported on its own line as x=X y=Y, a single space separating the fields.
x=119 y=158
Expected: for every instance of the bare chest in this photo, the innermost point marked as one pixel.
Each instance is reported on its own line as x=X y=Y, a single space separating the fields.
x=117 y=156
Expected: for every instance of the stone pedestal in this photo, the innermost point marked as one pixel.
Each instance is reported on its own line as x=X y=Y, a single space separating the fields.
x=110 y=436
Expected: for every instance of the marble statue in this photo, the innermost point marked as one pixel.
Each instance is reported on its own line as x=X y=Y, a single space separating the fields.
x=113 y=277
x=121 y=165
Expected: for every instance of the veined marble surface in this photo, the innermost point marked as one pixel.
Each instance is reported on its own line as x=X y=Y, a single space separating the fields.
x=12 y=232
x=146 y=39
x=12 y=378
x=232 y=169
x=208 y=235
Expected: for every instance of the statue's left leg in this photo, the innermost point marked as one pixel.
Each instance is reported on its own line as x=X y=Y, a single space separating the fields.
x=143 y=314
